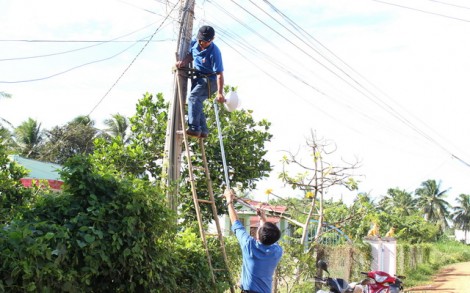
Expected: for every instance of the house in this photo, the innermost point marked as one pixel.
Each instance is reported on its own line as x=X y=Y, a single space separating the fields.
x=249 y=219
x=39 y=172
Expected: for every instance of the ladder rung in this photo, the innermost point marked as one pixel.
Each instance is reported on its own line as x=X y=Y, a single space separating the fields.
x=204 y=201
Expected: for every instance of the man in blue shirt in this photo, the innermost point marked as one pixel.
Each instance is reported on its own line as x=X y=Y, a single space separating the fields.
x=209 y=79
x=261 y=255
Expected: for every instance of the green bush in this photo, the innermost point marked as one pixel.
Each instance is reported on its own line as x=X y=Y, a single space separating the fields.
x=101 y=234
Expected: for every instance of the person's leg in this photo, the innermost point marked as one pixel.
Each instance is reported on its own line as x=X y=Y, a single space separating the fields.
x=195 y=105
x=203 y=124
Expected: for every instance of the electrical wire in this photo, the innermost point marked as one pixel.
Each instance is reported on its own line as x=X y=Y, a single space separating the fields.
x=449 y=4
x=284 y=68
x=132 y=62
x=71 y=41
x=423 y=11
x=385 y=106
x=70 y=69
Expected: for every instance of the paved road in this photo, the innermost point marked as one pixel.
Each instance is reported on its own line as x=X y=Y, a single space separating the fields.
x=450 y=279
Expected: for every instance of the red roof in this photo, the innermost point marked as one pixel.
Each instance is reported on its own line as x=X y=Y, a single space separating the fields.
x=265 y=206
x=53 y=184
x=254 y=220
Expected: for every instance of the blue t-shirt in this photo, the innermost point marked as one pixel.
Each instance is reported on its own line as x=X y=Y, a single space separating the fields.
x=259 y=261
x=207 y=61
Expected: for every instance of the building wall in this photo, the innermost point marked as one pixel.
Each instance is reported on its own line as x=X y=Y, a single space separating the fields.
x=460 y=236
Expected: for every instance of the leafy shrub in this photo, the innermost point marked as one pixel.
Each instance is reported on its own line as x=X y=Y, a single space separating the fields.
x=101 y=234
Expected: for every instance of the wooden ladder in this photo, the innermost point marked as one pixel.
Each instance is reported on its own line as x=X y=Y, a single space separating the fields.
x=198 y=201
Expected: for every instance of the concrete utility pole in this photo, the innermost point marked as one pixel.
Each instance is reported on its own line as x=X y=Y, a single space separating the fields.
x=174 y=141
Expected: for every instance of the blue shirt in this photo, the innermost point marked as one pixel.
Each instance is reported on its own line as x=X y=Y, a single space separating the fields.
x=207 y=61
x=259 y=261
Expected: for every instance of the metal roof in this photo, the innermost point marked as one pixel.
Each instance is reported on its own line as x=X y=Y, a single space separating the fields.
x=38 y=169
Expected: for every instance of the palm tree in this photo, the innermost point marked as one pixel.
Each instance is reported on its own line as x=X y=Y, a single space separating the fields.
x=398 y=202
x=432 y=204
x=461 y=214
x=118 y=126
x=29 y=136
x=84 y=120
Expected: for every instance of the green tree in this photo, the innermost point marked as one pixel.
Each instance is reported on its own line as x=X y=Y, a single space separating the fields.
x=12 y=193
x=74 y=138
x=432 y=204
x=145 y=153
x=29 y=137
x=7 y=138
x=398 y=202
x=461 y=214
x=118 y=126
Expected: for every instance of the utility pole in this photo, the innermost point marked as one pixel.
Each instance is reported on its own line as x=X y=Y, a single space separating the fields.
x=174 y=137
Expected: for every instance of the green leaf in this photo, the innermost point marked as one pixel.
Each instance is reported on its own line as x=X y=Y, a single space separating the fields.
x=89 y=238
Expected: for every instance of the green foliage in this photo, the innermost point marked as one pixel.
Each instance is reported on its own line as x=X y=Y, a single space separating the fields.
x=461 y=214
x=73 y=138
x=13 y=196
x=439 y=254
x=244 y=143
x=99 y=235
x=104 y=233
x=297 y=267
x=431 y=201
x=148 y=128
x=29 y=136
x=110 y=230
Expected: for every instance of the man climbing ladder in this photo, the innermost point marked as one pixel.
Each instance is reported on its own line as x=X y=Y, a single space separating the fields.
x=209 y=78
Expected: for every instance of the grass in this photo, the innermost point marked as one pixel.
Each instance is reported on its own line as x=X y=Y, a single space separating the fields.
x=442 y=253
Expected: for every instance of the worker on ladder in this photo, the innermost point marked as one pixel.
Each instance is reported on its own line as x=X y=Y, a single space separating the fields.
x=260 y=256
x=208 y=78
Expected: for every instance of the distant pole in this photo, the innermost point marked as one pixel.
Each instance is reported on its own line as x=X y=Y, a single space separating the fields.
x=174 y=141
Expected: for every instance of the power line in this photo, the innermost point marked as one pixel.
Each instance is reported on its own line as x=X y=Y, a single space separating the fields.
x=392 y=111
x=423 y=11
x=133 y=60
x=385 y=106
x=71 y=41
x=70 y=69
x=450 y=4
x=259 y=54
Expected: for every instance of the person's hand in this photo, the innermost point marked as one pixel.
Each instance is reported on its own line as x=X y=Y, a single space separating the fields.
x=261 y=214
x=229 y=195
x=220 y=98
x=179 y=64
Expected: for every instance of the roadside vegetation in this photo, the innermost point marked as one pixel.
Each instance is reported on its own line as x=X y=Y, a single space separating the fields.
x=443 y=252
x=111 y=228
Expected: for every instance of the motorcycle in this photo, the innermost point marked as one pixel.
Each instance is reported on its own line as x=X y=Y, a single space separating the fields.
x=335 y=285
x=381 y=282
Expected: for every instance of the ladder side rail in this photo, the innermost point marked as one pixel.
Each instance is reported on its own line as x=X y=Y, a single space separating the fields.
x=215 y=215
x=193 y=186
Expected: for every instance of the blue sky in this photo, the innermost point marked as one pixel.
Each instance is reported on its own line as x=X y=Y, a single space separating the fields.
x=402 y=61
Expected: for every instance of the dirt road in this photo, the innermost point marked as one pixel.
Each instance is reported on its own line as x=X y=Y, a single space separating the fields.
x=450 y=279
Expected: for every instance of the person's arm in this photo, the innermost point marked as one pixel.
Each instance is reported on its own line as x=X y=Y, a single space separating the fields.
x=262 y=216
x=229 y=197
x=220 y=87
